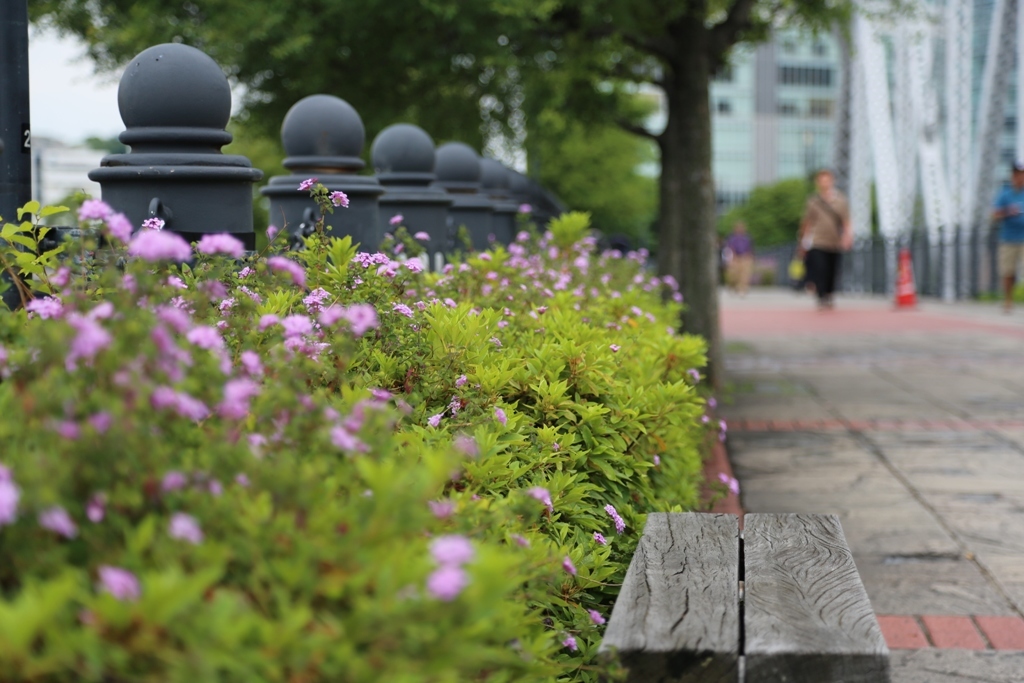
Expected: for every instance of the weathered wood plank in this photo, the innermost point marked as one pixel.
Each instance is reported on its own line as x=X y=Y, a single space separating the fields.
x=807 y=615
x=676 y=619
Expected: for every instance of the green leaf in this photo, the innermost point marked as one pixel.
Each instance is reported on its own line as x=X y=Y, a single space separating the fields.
x=52 y=211
x=31 y=208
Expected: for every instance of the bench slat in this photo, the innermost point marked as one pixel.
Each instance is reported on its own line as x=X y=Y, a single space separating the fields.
x=677 y=616
x=807 y=615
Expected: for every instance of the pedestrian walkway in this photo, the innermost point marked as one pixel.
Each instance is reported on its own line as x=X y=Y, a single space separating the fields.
x=908 y=424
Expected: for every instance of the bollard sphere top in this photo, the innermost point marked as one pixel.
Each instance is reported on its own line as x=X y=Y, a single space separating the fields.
x=324 y=131
x=403 y=152
x=174 y=86
x=457 y=166
x=494 y=175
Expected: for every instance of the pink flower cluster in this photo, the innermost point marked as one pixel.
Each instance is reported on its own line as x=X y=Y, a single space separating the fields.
x=9 y=496
x=620 y=524
x=449 y=579
x=361 y=318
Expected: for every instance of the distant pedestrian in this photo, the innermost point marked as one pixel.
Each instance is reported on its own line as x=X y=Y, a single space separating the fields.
x=1009 y=211
x=741 y=263
x=825 y=233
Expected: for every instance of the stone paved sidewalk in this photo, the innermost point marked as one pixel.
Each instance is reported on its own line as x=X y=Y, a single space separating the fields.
x=910 y=426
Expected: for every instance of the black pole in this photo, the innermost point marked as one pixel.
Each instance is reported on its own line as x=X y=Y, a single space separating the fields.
x=15 y=133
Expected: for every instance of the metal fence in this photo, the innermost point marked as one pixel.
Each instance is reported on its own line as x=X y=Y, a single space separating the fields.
x=870 y=267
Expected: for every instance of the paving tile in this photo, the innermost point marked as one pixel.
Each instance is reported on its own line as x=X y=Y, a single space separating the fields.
x=953 y=632
x=902 y=633
x=1004 y=633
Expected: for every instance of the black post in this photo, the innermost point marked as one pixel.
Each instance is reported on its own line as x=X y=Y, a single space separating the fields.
x=15 y=134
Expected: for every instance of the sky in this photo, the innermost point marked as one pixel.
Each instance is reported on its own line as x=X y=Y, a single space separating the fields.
x=68 y=102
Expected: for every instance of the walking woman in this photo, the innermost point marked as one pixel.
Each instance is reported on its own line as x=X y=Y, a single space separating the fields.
x=825 y=233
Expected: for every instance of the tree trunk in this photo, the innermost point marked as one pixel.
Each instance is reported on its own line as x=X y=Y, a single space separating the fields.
x=687 y=242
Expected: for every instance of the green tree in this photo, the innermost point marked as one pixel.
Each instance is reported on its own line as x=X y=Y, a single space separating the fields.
x=598 y=168
x=772 y=212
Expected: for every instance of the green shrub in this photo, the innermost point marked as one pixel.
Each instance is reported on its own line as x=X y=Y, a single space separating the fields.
x=241 y=472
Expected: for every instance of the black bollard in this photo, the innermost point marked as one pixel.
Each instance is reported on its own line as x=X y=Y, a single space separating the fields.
x=15 y=134
x=324 y=137
x=403 y=158
x=458 y=172
x=175 y=103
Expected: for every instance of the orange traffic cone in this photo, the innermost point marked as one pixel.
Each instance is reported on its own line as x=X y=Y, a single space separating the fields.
x=906 y=291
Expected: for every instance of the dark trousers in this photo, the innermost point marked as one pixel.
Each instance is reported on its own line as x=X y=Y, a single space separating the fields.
x=823 y=271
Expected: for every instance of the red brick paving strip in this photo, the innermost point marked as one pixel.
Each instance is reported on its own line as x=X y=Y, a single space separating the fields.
x=1005 y=633
x=953 y=632
x=902 y=633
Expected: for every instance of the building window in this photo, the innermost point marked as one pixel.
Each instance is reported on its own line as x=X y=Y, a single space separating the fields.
x=814 y=76
x=789 y=47
x=724 y=107
x=820 y=49
x=723 y=74
x=820 y=109
x=787 y=109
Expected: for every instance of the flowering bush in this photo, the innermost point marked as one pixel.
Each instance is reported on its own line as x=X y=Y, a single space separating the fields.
x=330 y=466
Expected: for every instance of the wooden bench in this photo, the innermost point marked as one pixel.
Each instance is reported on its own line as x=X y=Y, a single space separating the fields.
x=780 y=602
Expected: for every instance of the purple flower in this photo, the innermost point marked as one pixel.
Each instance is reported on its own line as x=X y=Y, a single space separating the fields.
x=241 y=479
x=441 y=508
x=120 y=583
x=46 y=307
x=339 y=198
x=296 y=325
x=596 y=617
x=496 y=341
x=731 y=482
x=712 y=403
x=460 y=381
x=205 y=337
x=251 y=363
x=467 y=446
x=525 y=208
x=402 y=309
x=542 y=495
x=95 y=510
x=215 y=487
x=521 y=540
x=184 y=527
x=69 y=429
x=57 y=520
x=422 y=236
x=362 y=318
x=694 y=374
x=221 y=244
x=723 y=426
x=657 y=460
x=396 y=219
x=620 y=524
x=267 y=321
x=90 y=340
x=568 y=566
x=570 y=643
x=153 y=223
x=447 y=582
x=307 y=183
x=94 y=210
x=272 y=231
x=173 y=481
x=600 y=538
x=281 y=264
x=159 y=245
x=435 y=420
x=414 y=265
x=237 y=393
x=9 y=496
x=120 y=227
x=615 y=348
x=343 y=439
x=500 y=416
x=451 y=550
